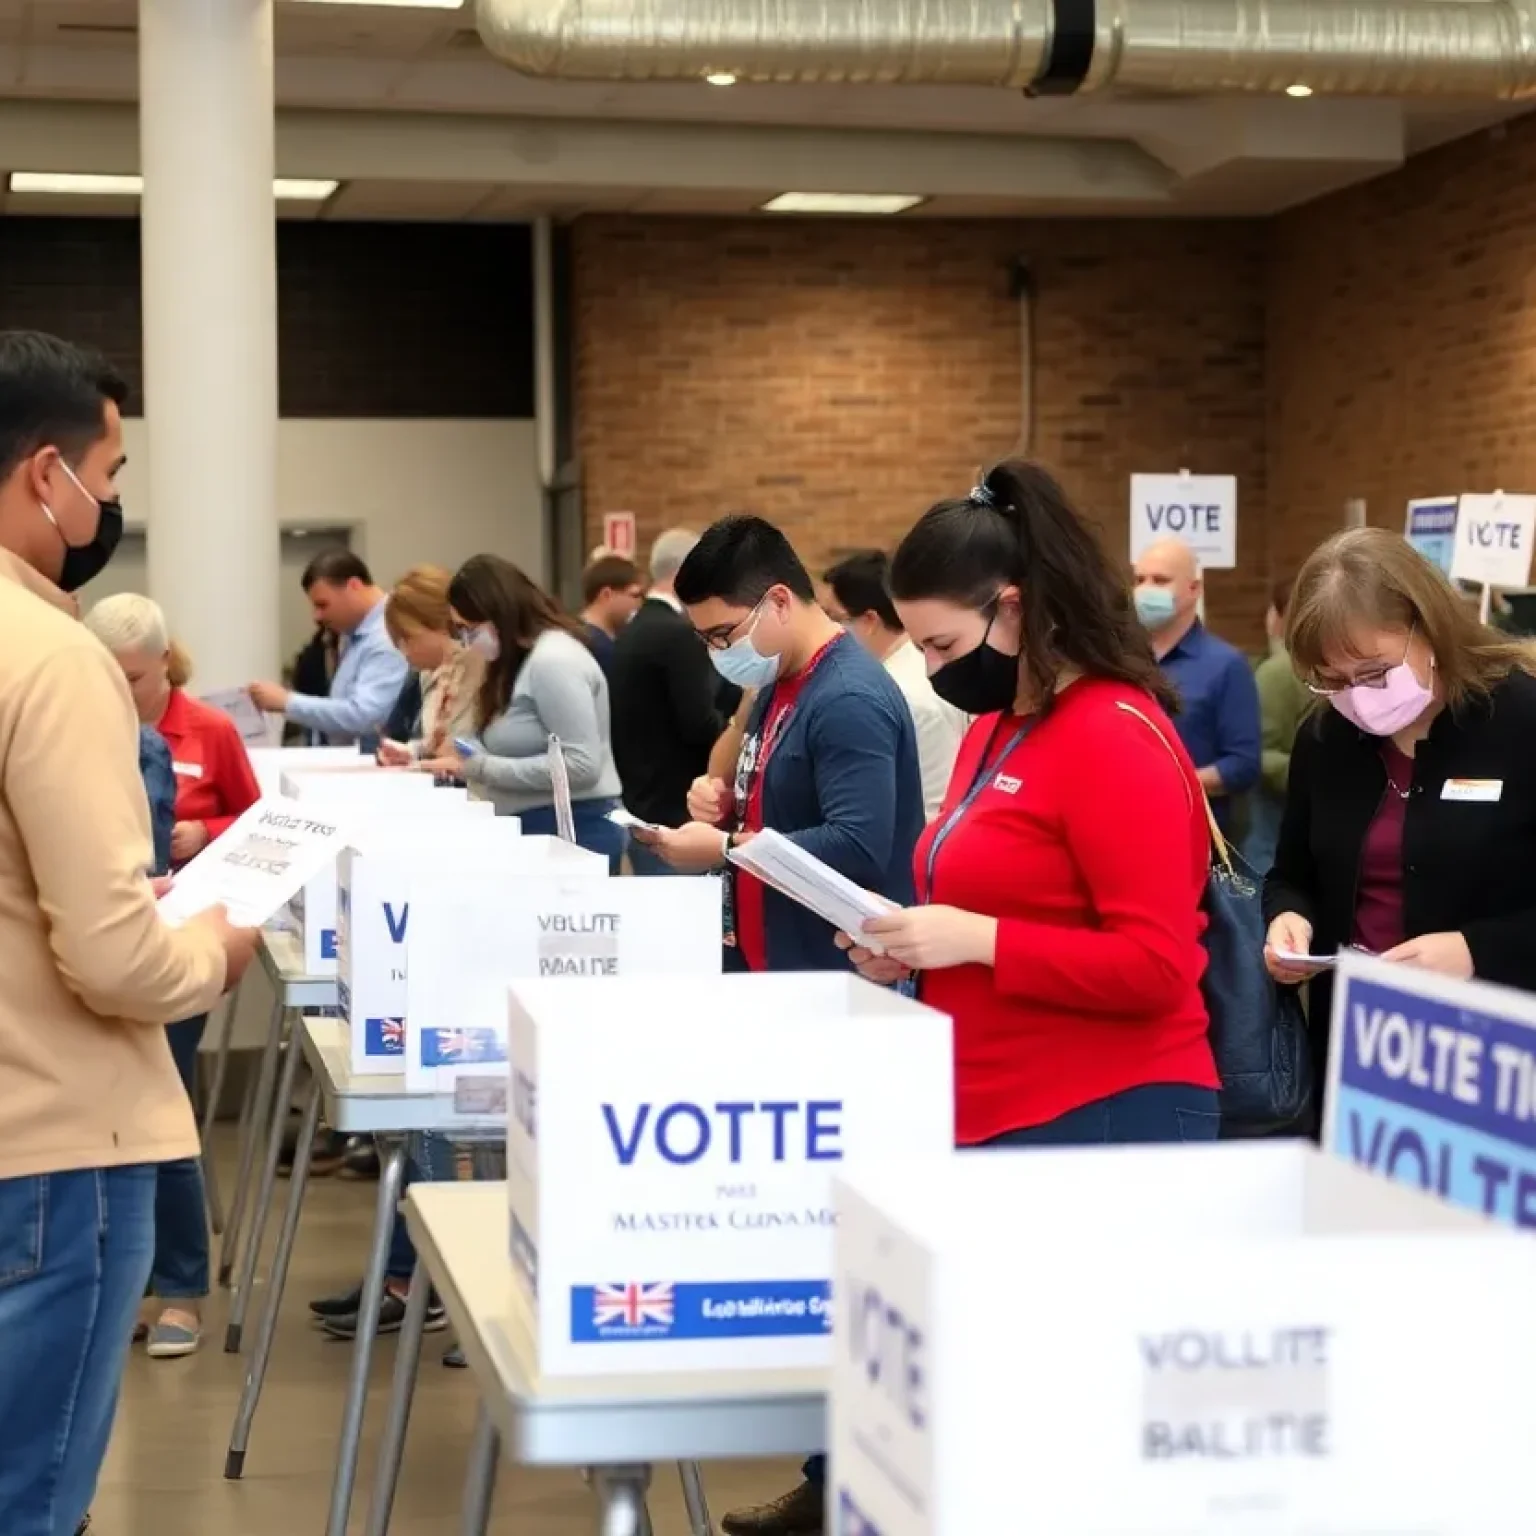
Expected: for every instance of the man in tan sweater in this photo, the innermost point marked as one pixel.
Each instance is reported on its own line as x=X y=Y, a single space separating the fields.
x=89 y=1097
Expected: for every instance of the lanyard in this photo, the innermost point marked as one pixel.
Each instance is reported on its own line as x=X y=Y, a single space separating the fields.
x=984 y=774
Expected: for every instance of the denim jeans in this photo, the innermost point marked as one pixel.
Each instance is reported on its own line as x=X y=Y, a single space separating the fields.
x=75 y=1251
x=594 y=831
x=180 y=1270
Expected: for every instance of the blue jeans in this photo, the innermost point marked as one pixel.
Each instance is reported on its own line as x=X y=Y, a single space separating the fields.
x=593 y=829
x=645 y=861
x=1157 y=1112
x=75 y=1251
x=1258 y=849
x=180 y=1271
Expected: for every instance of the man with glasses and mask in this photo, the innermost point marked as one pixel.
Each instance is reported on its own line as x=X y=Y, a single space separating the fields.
x=90 y=1100
x=829 y=757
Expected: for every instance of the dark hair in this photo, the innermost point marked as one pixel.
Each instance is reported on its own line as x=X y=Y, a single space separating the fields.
x=1280 y=595
x=489 y=590
x=606 y=572
x=861 y=584
x=1018 y=528
x=336 y=567
x=52 y=394
x=737 y=560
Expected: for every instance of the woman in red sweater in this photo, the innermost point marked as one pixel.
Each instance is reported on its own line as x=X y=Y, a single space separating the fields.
x=214 y=785
x=1060 y=886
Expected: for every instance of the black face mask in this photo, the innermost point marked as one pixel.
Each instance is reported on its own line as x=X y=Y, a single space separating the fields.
x=84 y=562
x=980 y=682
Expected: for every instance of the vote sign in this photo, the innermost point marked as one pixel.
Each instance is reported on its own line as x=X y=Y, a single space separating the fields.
x=1200 y=510
x=1494 y=539
x=670 y=1152
x=1250 y=1337
x=1432 y=1082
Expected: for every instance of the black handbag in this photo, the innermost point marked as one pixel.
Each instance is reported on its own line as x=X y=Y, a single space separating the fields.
x=1258 y=1030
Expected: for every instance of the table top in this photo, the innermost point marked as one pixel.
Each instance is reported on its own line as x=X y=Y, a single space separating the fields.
x=461 y=1230
x=282 y=957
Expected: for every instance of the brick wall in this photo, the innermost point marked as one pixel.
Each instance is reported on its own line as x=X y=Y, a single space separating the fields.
x=839 y=377
x=1402 y=339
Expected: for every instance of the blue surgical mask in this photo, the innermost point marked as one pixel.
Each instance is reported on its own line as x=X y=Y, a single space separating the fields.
x=743 y=664
x=1154 y=606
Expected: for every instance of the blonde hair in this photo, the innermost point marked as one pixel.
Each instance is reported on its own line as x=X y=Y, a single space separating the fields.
x=1374 y=577
x=419 y=602
x=132 y=622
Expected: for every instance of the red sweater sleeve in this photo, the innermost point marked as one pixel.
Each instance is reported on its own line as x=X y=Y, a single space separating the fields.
x=234 y=778
x=1127 y=815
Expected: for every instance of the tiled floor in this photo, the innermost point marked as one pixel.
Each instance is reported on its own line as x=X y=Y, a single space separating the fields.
x=164 y=1476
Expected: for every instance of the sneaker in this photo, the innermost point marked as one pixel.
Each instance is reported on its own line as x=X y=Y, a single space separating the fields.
x=453 y=1358
x=801 y=1512
x=174 y=1334
x=344 y=1305
x=391 y=1317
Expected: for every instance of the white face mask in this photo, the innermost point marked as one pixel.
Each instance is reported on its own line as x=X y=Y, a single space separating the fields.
x=482 y=639
x=743 y=664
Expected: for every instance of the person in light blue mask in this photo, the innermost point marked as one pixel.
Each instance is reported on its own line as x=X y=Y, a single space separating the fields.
x=829 y=754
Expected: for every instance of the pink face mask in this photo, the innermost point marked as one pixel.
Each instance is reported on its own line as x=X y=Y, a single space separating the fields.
x=1386 y=710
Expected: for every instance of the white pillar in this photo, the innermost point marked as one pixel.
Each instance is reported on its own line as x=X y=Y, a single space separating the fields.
x=210 y=330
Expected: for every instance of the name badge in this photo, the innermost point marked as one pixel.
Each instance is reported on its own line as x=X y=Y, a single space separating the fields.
x=1475 y=791
x=1007 y=784
x=189 y=770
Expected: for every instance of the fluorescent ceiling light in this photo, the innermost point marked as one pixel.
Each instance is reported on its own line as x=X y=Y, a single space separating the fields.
x=721 y=77
x=1298 y=90
x=65 y=183
x=841 y=202
x=411 y=5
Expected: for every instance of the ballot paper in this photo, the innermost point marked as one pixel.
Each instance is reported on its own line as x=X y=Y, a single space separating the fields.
x=622 y=818
x=560 y=787
x=256 y=729
x=1312 y=964
x=257 y=866
x=802 y=877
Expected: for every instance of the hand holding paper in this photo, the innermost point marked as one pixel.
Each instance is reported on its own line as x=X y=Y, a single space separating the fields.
x=934 y=938
x=802 y=877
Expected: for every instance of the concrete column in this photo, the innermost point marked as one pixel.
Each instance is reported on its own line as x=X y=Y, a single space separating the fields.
x=210 y=330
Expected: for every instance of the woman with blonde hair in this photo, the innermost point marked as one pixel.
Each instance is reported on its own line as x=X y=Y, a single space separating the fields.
x=1409 y=827
x=215 y=784
x=420 y=623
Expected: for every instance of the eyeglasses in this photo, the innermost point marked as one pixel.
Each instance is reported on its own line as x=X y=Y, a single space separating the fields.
x=1374 y=675
x=720 y=637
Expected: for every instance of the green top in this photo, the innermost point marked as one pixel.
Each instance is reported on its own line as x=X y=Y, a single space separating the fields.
x=1284 y=702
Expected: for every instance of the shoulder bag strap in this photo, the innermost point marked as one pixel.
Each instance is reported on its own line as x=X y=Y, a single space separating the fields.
x=1218 y=839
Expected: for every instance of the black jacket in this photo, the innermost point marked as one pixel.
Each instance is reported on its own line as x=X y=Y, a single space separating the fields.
x=662 y=699
x=1469 y=867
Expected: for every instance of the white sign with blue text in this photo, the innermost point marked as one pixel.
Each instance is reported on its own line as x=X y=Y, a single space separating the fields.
x=1431 y=529
x=670 y=1152
x=1432 y=1082
x=471 y=939
x=384 y=882
x=1245 y=1340
x=1494 y=539
x=1199 y=510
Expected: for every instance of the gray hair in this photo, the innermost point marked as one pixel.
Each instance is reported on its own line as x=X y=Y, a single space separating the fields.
x=669 y=551
x=129 y=622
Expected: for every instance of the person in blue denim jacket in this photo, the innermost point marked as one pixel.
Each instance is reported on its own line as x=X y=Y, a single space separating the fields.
x=160 y=785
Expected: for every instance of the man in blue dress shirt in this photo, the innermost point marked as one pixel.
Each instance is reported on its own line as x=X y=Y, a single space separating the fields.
x=370 y=672
x=1218 y=718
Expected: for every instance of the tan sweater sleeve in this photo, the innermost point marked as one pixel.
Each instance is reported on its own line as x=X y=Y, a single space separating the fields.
x=72 y=784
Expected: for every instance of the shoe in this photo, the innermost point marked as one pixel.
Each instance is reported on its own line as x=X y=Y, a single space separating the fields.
x=453 y=1358
x=801 y=1512
x=174 y=1334
x=391 y=1316
x=361 y=1161
x=345 y=1305
x=325 y=1157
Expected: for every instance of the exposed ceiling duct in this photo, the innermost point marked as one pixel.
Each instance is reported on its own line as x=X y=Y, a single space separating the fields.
x=1477 y=49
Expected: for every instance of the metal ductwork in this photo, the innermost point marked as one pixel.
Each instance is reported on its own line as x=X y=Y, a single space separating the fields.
x=1478 y=49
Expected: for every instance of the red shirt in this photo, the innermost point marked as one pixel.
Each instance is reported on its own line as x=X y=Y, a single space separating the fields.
x=214 y=779
x=1089 y=845
x=1379 y=888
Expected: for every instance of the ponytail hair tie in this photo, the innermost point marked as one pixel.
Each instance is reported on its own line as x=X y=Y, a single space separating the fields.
x=982 y=497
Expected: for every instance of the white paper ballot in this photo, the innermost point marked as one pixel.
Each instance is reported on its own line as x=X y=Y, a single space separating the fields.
x=255 y=728
x=1310 y=963
x=258 y=866
x=622 y=818
x=793 y=872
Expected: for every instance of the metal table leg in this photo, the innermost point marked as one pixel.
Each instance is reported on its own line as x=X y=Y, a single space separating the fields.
x=256 y=1368
x=407 y=1364
x=391 y=1170
x=693 y=1498
x=480 y=1480
x=211 y=1107
x=251 y=1257
x=259 y=1109
x=621 y=1500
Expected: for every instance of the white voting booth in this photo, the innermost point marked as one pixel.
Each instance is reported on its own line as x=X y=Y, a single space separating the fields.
x=1175 y=1341
x=385 y=881
x=270 y=763
x=670 y=1153
x=471 y=936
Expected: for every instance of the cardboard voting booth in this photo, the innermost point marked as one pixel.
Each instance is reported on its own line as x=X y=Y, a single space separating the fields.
x=377 y=902
x=471 y=938
x=670 y=1152
x=1175 y=1341
x=1432 y=1083
x=270 y=763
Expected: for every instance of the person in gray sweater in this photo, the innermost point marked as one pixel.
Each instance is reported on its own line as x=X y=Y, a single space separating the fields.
x=541 y=680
